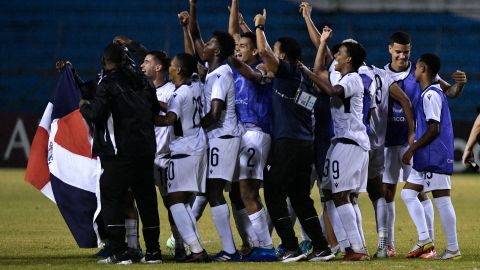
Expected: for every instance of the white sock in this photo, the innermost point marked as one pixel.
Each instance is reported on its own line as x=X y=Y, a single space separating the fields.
x=221 y=218
x=415 y=209
x=358 y=215
x=177 y=236
x=381 y=216
x=449 y=221
x=259 y=223
x=322 y=222
x=186 y=227
x=244 y=227
x=391 y=222
x=337 y=225
x=291 y=212
x=429 y=217
x=349 y=221
x=131 y=232
x=199 y=206
x=192 y=218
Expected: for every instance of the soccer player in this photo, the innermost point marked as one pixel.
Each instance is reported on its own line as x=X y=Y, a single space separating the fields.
x=396 y=138
x=432 y=154
x=292 y=148
x=350 y=137
x=222 y=126
x=186 y=169
x=253 y=107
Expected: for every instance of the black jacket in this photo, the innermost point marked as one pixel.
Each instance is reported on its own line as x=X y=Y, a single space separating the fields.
x=122 y=115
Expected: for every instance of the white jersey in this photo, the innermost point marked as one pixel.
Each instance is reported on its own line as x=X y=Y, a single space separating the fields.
x=187 y=104
x=164 y=134
x=347 y=112
x=379 y=116
x=219 y=84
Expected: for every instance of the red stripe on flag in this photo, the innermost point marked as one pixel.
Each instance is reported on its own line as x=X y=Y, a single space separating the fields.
x=37 y=172
x=72 y=134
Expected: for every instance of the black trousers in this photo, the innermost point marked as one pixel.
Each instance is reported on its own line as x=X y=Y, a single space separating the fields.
x=118 y=176
x=289 y=176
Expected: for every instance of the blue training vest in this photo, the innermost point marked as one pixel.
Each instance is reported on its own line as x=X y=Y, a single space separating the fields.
x=253 y=101
x=397 y=127
x=436 y=157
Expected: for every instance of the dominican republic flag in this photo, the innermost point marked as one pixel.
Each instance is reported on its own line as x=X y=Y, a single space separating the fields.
x=60 y=163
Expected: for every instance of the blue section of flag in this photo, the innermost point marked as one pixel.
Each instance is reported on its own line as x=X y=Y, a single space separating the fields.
x=77 y=207
x=66 y=96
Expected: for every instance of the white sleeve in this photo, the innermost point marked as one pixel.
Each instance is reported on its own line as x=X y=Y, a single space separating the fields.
x=372 y=91
x=221 y=86
x=432 y=105
x=175 y=103
x=350 y=84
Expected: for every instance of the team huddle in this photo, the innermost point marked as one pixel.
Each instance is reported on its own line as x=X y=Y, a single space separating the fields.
x=235 y=114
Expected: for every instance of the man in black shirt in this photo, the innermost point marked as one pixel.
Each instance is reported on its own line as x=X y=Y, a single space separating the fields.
x=122 y=115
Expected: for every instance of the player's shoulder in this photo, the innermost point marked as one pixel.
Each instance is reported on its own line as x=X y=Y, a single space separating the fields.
x=432 y=93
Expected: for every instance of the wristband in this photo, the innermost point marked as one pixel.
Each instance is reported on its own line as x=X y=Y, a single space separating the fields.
x=260 y=26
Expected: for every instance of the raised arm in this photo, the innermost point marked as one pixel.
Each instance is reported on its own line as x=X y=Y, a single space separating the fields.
x=453 y=91
x=233 y=22
x=243 y=24
x=306 y=10
x=322 y=83
x=184 y=19
x=264 y=50
x=402 y=98
x=244 y=69
x=321 y=59
x=468 y=153
x=195 y=29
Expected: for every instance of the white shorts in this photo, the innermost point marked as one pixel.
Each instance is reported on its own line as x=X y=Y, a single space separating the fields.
x=376 y=163
x=325 y=182
x=395 y=170
x=430 y=181
x=160 y=167
x=347 y=168
x=253 y=154
x=222 y=157
x=187 y=173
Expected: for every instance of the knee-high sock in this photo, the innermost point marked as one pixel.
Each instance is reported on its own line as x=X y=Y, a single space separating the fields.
x=337 y=225
x=415 y=209
x=391 y=222
x=186 y=226
x=221 y=218
x=259 y=221
x=358 y=215
x=429 y=217
x=244 y=227
x=380 y=206
x=349 y=221
x=131 y=232
x=199 y=206
x=449 y=221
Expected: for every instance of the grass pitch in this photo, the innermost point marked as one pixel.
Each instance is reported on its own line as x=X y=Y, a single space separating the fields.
x=33 y=234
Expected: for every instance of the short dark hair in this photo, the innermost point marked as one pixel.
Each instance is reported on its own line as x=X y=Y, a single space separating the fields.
x=291 y=48
x=252 y=37
x=400 y=38
x=161 y=57
x=115 y=54
x=432 y=61
x=188 y=64
x=356 y=52
x=226 y=43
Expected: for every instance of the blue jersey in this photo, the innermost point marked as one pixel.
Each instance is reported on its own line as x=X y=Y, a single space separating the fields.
x=253 y=101
x=397 y=127
x=437 y=156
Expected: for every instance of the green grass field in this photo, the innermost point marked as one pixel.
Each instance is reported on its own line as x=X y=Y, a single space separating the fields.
x=33 y=234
